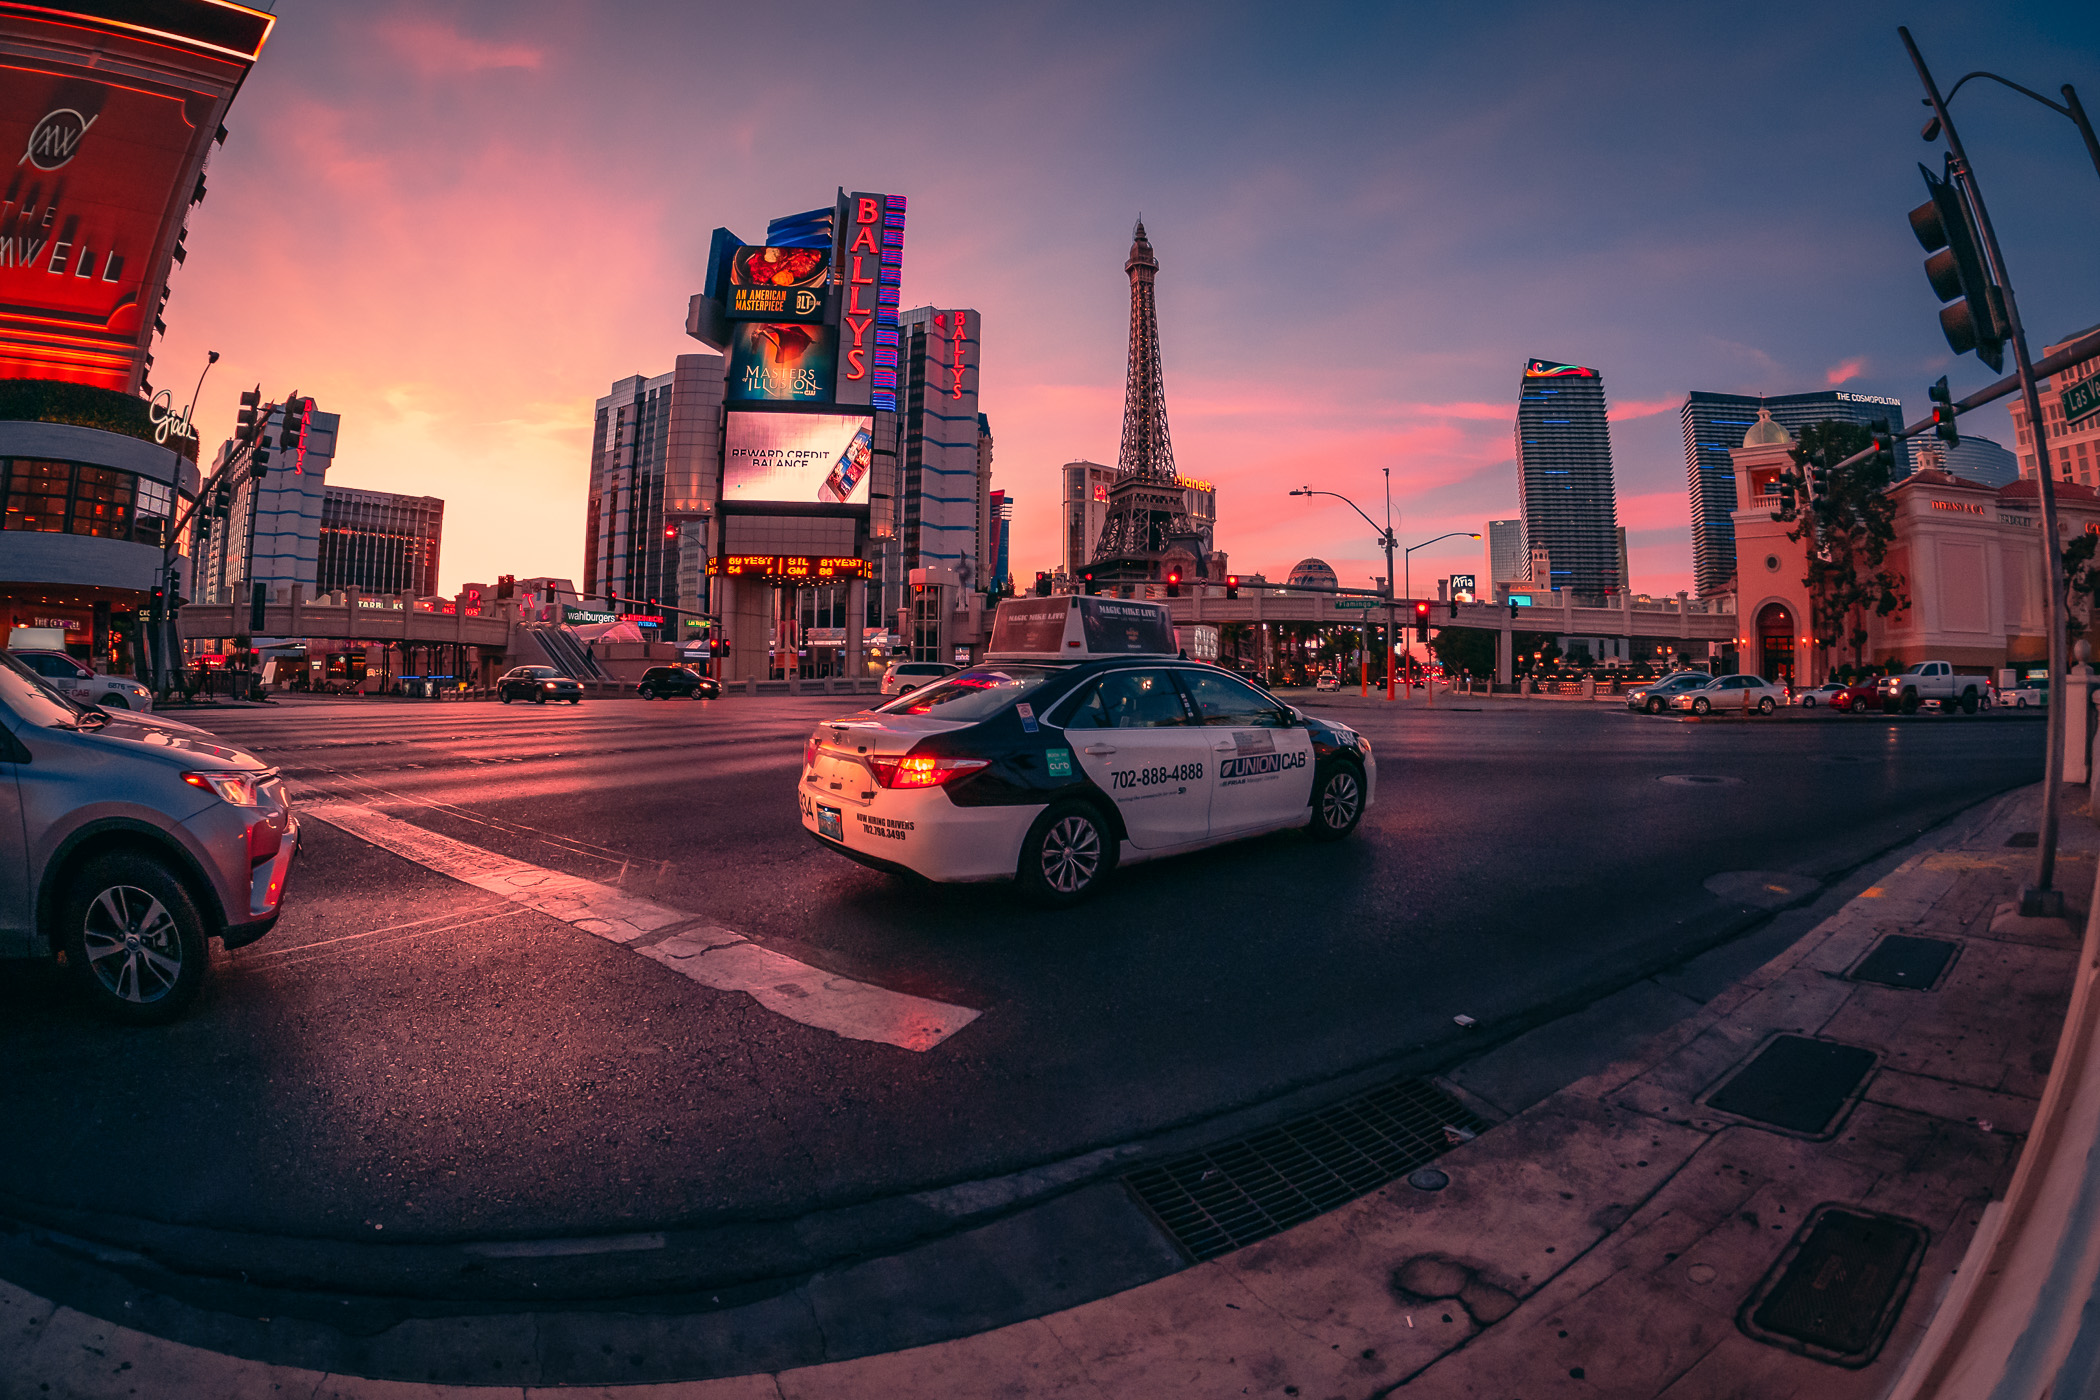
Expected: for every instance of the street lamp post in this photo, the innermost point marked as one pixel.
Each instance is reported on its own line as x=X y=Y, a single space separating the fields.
x=2040 y=898
x=164 y=630
x=1387 y=542
x=1407 y=574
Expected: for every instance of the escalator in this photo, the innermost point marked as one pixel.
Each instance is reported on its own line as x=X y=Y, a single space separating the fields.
x=563 y=651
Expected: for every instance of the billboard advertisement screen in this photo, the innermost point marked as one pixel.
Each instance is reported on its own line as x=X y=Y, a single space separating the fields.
x=798 y=458
x=778 y=284
x=92 y=180
x=781 y=362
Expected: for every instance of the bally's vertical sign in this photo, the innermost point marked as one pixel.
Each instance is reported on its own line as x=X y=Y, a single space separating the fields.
x=871 y=251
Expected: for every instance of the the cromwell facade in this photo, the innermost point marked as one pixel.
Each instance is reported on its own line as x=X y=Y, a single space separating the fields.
x=1970 y=557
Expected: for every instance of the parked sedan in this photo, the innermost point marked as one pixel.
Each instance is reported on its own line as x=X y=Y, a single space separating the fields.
x=673 y=682
x=1732 y=694
x=1823 y=694
x=538 y=684
x=904 y=676
x=1859 y=698
x=83 y=683
x=1655 y=697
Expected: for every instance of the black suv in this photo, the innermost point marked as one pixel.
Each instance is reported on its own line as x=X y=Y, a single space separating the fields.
x=671 y=682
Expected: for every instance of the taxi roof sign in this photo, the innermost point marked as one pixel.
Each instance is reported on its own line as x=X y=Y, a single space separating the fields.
x=1080 y=628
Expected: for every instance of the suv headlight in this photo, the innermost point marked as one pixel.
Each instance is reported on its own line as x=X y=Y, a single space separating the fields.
x=234 y=789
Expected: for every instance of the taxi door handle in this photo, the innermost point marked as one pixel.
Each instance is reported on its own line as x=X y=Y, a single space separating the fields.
x=1224 y=746
x=1099 y=748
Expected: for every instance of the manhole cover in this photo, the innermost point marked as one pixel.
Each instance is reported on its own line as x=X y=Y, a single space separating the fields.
x=1795 y=1083
x=2027 y=839
x=1700 y=780
x=1214 y=1201
x=1901 y=960
x=1835 y=1293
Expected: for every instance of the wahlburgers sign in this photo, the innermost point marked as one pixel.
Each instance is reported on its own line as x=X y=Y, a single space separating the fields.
x=584 y=617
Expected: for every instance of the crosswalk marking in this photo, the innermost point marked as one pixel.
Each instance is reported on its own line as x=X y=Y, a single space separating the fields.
x=714 y=957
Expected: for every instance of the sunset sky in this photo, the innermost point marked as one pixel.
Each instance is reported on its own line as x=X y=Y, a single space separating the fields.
x=457 y=225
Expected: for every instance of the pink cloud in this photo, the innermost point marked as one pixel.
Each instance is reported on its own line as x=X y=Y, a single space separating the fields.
x=1846 y=370
x=435 y=49
x=1643 y=408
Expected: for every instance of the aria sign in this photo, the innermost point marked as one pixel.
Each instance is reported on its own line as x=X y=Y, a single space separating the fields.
x=166 y=421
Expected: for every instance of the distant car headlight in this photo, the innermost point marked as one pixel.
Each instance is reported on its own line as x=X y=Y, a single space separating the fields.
x=234 y=789
x=550 y=684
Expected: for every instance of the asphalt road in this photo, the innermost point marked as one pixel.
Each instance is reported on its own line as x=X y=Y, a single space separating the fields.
x=407 y=1054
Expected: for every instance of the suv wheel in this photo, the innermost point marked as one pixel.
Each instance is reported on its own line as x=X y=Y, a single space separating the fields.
x=1338 y=802
x=647 y=692
x=1067 y=852
x=133 y=938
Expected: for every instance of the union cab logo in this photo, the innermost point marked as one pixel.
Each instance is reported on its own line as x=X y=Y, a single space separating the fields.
x=56 y=139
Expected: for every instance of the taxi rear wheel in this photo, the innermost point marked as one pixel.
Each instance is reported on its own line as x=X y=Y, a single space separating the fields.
x=1068 y=851
x=1338 y=802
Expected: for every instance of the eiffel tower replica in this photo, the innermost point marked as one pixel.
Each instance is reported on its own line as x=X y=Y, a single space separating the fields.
x=1147 y=519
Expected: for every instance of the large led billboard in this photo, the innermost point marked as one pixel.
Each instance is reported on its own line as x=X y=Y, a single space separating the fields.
x=106 y=112
x=781 y=362
x=778 y=284
x=798 y=458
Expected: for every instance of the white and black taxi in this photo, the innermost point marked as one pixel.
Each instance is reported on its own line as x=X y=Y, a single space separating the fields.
x=1082 y=741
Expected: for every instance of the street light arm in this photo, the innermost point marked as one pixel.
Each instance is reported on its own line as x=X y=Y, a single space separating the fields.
x=1308 y=491
x=1448 y=535
x=2070 y=107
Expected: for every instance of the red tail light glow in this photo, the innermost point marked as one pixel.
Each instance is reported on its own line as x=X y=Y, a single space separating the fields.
x=922 y=770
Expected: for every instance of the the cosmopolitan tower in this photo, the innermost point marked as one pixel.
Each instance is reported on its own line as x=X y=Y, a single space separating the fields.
x=1147 y=508
x=1564 y=481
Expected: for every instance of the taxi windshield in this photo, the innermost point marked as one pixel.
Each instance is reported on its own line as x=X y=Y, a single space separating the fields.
x=976 y=694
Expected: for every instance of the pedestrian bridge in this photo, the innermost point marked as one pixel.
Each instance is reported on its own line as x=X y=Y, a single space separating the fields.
x=1682 y=619
x=357 y=617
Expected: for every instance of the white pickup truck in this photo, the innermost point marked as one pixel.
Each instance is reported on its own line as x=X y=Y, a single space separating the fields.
x=1934 y=682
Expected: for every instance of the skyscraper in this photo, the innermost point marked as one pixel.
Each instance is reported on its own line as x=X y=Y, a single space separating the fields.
x=1715 y=423
x=1564 y=478
x=1974 y=459
x=1505 y=548
x=272 y=537
x=2073 y=447
x=655 y=461
x=379 y=542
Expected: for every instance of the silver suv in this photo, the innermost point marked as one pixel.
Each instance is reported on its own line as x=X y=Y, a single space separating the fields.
x=127 y=849
x=83 y=683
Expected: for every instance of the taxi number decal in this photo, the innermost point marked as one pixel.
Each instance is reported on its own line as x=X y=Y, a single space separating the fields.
x=1146 y=777
x=1259 y=764
x=1060 y=762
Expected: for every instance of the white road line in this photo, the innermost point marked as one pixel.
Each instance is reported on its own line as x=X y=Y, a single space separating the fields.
x=714 y=957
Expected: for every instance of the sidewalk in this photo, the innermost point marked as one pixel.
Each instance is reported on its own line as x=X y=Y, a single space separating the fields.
x=1654 y=1229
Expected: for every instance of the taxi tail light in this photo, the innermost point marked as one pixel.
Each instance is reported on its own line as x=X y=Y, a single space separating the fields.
x=923 y=770
x=809 y=752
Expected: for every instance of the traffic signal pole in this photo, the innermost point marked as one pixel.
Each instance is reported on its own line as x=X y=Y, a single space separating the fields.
x=2040 y=898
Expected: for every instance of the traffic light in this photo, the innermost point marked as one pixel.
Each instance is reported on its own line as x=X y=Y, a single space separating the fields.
x=1454 y=606
x=256 y=600
x=157 y=606
x=222 y=499
x=1884 y=459
x=1232 y=585
x=506 y=585
x=1943 y=413
x=1422 y=621
x=1087 y=582
x=1042 y=584
x=258 y=465
x=1512 y=607
x=245 y=427
x=1785 y=492
x=293 y=430
x=1173 y=583
x=1974 y=317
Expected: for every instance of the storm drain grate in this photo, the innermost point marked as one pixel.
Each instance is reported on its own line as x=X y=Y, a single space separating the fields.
x=1901 y=960
x=1795 y=1083
x=1834 y=1295
x=2024 y=839
x=1214 y=1201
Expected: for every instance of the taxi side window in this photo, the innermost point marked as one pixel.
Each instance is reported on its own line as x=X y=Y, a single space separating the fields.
x=1221 y=700
x=1128 y=700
